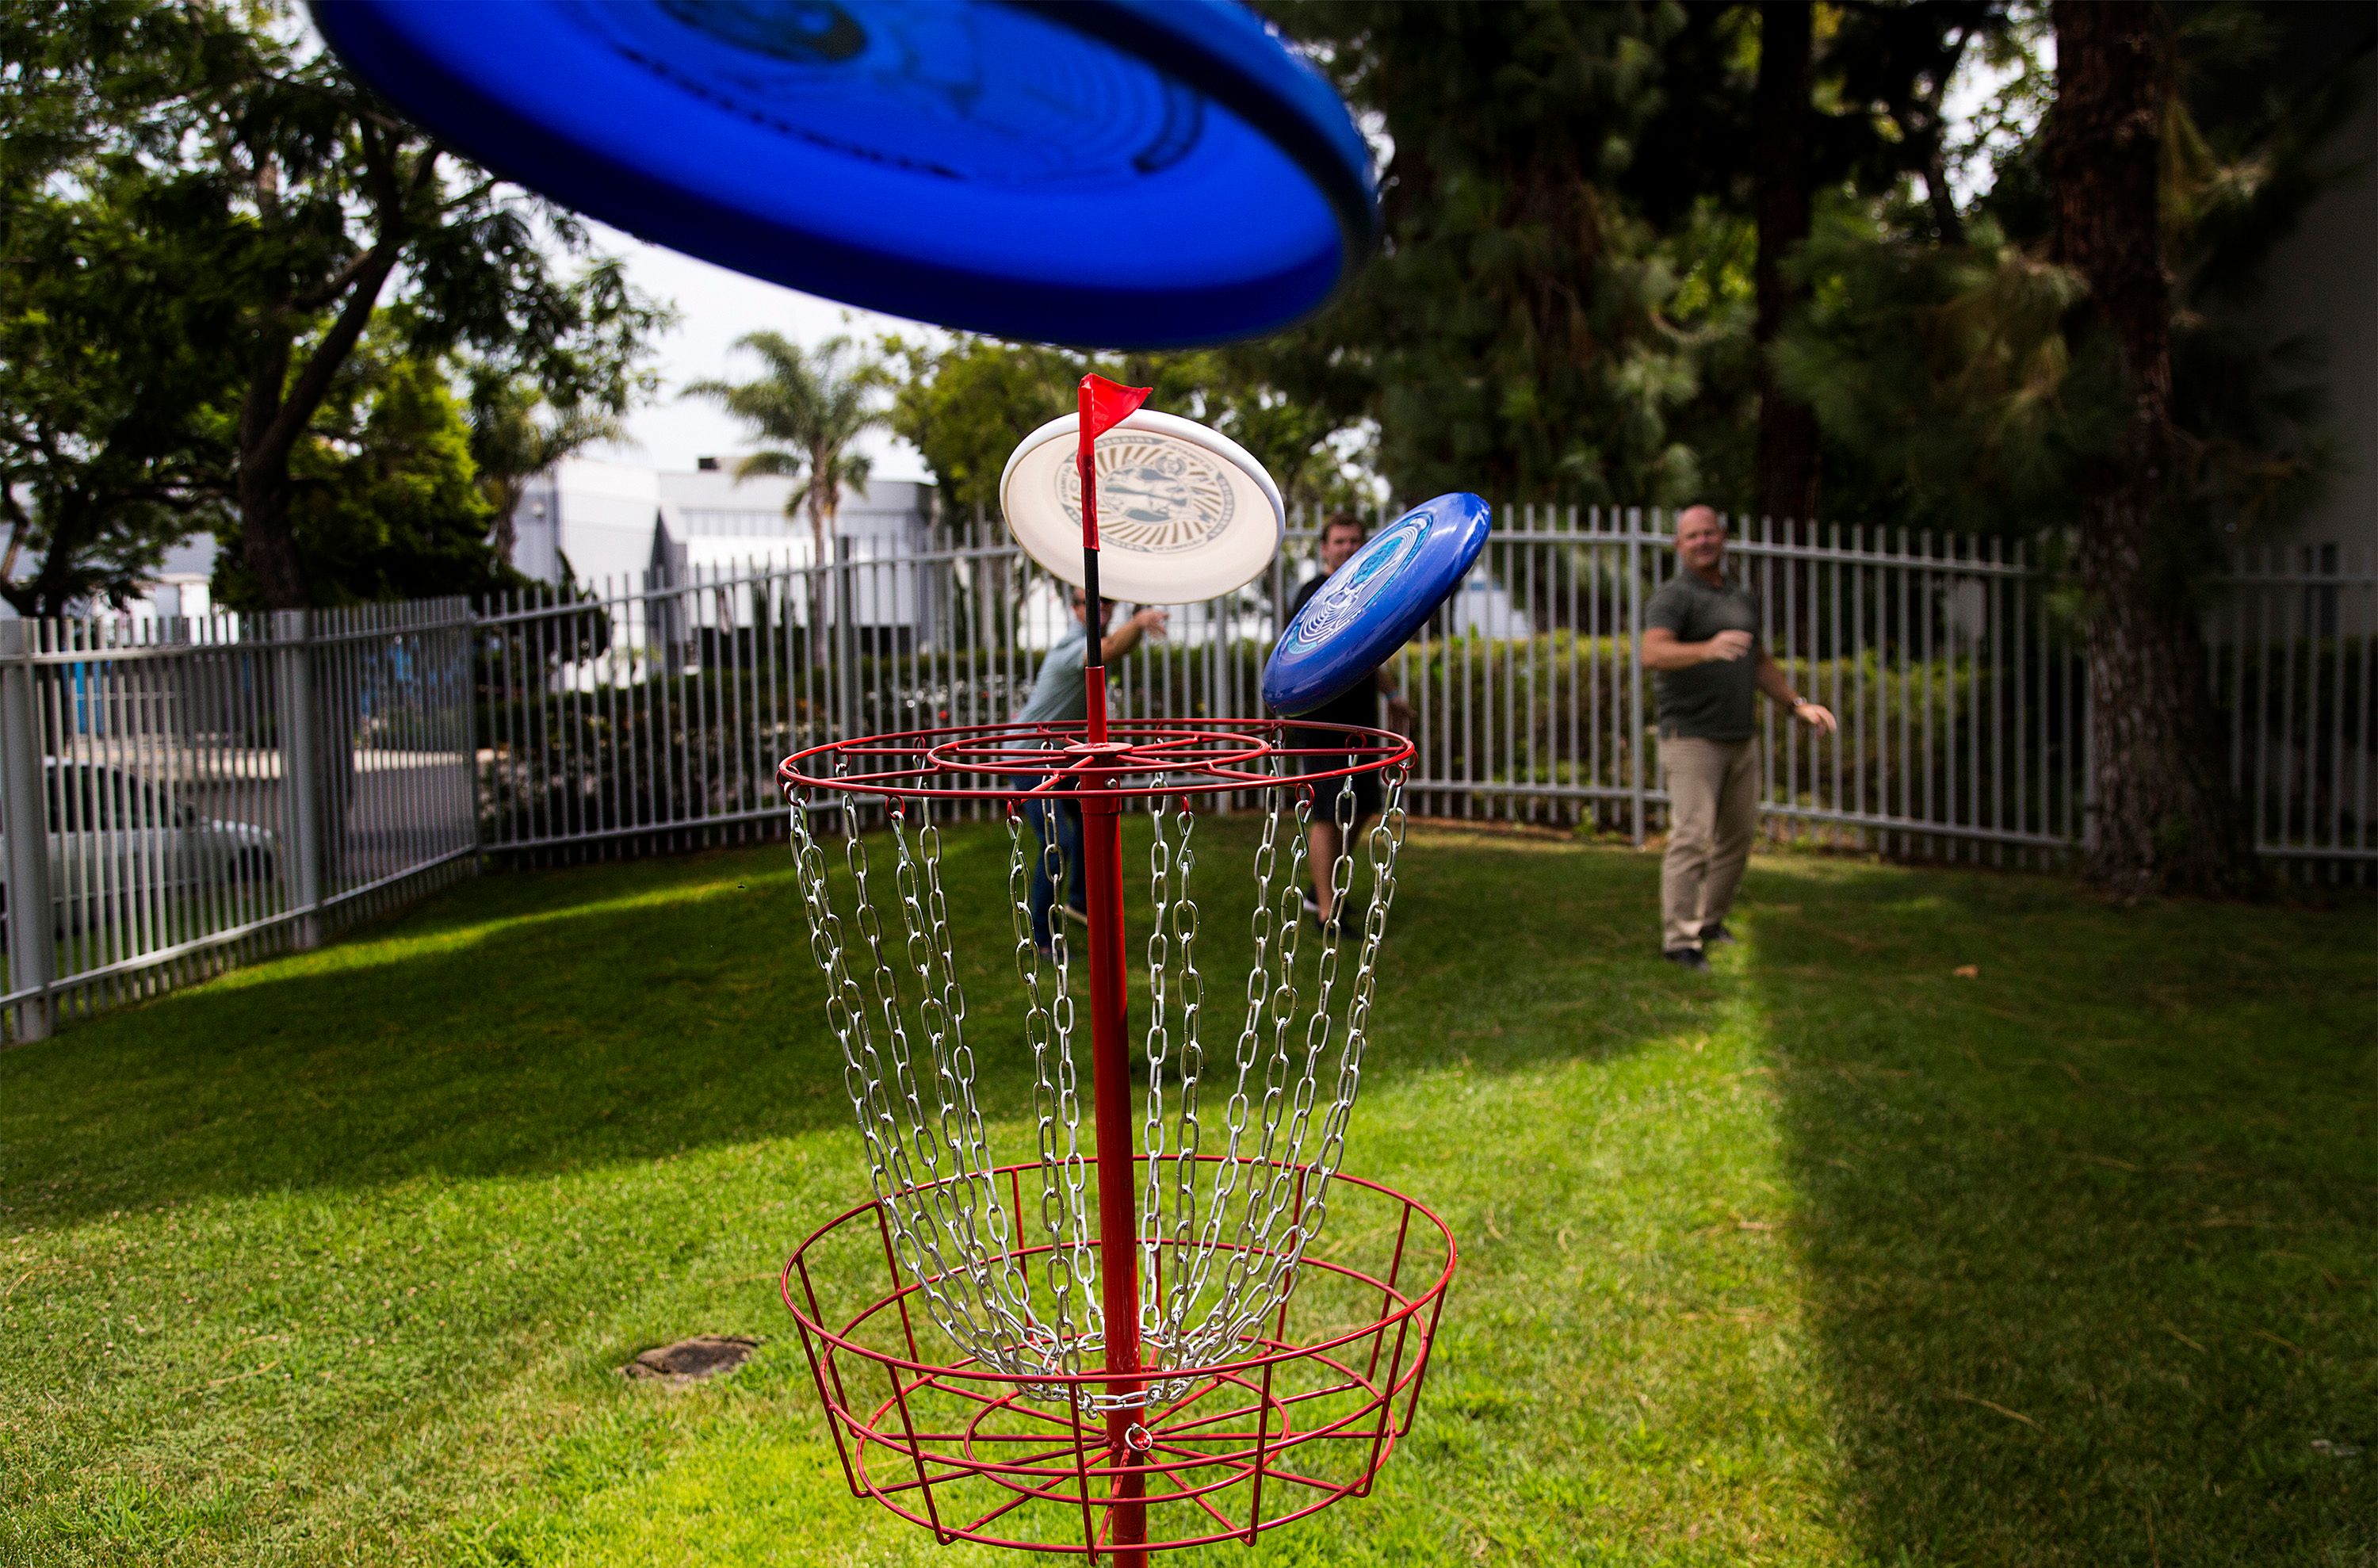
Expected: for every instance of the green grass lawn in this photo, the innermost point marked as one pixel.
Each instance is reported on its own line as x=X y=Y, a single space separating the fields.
x=1831 y=1256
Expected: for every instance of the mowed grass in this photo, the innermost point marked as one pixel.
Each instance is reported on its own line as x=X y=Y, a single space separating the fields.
x=1832 y=1256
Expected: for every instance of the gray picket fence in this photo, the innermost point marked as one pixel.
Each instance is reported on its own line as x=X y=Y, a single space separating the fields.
x=182 y=795
x=212 y=789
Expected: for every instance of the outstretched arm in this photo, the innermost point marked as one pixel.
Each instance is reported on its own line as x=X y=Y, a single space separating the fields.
x=1772 y=680
x=1148 y=622
x=1663 y=650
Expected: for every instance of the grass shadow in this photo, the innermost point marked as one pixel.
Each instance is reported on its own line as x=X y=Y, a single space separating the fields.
x=547 y=1021
x=2086 y=1230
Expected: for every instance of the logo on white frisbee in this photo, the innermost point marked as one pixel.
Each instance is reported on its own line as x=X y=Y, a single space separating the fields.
x=1155 y=494
x=1184 y=512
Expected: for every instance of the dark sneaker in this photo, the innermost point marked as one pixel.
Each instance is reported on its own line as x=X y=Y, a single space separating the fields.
x=1717 y=935
x=1686 y=958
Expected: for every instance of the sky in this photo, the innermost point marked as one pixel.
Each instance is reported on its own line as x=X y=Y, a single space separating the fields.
x=716 y=307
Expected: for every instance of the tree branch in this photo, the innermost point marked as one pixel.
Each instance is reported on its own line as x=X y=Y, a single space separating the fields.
x=322 y=295
x=18 y=523
x=364 y=278
x=313 y=382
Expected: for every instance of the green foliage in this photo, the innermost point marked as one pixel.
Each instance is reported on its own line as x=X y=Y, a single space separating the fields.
x=812 y=404
x=110 y=369
x=516 y=433
x=1944 y=373
x=204 y=216
x=389 y=503
x=1321 y=461
x=1510 y=337
x=1951 y=382
x=965 y=407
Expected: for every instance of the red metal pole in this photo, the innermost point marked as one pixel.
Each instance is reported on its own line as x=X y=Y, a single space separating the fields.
x=1110 y=1104
x=1111 y=1059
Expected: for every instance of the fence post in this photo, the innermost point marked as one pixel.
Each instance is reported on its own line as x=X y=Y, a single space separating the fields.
x=33 y=938
x=2090 y=800
x=301 y=795
x=1635 y=669
x=845 y=642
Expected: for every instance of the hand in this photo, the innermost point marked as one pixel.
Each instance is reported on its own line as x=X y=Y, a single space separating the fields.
x=1816 y=716
x=1151 y=621
x=1727 y=646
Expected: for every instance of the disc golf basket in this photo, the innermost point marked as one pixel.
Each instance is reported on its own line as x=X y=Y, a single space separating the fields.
x=1103 y=1351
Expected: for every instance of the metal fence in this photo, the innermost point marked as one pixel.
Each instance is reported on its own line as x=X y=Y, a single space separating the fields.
x=184 y=831
x=642 y=712
x=180 y=795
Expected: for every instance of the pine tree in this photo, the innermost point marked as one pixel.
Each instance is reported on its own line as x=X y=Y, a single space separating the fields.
x=1508 y=338
x=2165 y=818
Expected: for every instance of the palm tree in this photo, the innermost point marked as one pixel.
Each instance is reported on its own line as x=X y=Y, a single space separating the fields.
x=511 y=445
x=812 y=404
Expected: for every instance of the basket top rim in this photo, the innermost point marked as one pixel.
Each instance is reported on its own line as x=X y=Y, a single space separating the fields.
x=1141 y=758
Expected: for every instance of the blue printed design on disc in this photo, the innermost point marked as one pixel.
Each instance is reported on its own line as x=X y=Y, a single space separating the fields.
x=1121 y=173
x=1372 y=605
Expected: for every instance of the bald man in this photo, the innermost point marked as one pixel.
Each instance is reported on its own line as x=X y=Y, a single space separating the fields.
x=1700 y=642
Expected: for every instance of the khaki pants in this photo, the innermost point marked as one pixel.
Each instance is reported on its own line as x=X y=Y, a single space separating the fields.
x=1713 y=811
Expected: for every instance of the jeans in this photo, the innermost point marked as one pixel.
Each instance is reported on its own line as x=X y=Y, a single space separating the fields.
x=1063 y=819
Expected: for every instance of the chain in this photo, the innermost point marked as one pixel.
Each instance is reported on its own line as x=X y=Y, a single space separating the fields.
x=1184 y=1213
x=943 y=1012
x=1152 y=1207
x=1067 y=1265
x=930 y=1165
x=1270 y=1197
x=1288 y=1255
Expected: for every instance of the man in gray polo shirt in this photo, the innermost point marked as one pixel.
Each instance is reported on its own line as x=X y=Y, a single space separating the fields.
x=1701 y=641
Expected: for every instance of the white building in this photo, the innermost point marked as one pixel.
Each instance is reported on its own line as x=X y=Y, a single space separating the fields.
x=623 y=531
x=599 y=520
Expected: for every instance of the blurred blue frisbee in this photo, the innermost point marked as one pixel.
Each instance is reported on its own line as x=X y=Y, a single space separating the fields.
x=1371 y=606
x=1114 y=173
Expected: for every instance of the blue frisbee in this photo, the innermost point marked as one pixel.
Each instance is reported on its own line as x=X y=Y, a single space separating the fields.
x=1371 y=606
x=1111 y=173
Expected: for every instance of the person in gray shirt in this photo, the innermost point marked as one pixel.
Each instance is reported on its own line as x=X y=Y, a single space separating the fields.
x=1058 y=695
x=1700 y=642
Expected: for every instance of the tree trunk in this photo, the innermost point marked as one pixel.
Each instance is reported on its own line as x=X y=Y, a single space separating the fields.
x=504 y=537
x=820 y=580
x=2164 y=818
x=261 y=485
x=278 y=406
x=1785 y=479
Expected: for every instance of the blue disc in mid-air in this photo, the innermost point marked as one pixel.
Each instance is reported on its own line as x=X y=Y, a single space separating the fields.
x=1372 y=605
x=1114 y=173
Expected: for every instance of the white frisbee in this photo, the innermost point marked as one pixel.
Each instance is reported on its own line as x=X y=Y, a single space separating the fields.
x=1183 y=514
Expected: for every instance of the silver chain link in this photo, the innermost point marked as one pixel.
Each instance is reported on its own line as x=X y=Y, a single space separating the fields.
x=1203 y=1299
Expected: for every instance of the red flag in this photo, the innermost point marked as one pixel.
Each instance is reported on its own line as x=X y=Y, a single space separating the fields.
x=1104 y=405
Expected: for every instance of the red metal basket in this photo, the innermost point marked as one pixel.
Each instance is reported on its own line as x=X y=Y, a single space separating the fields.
x=1306 y=1416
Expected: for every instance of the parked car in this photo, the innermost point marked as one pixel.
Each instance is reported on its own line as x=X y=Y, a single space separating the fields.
x=119 y=838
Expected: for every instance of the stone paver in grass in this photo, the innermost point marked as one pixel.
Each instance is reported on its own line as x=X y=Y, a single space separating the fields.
x=690 y=1360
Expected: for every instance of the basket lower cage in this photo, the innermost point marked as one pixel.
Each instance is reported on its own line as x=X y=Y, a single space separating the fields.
x=1304 y=1411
